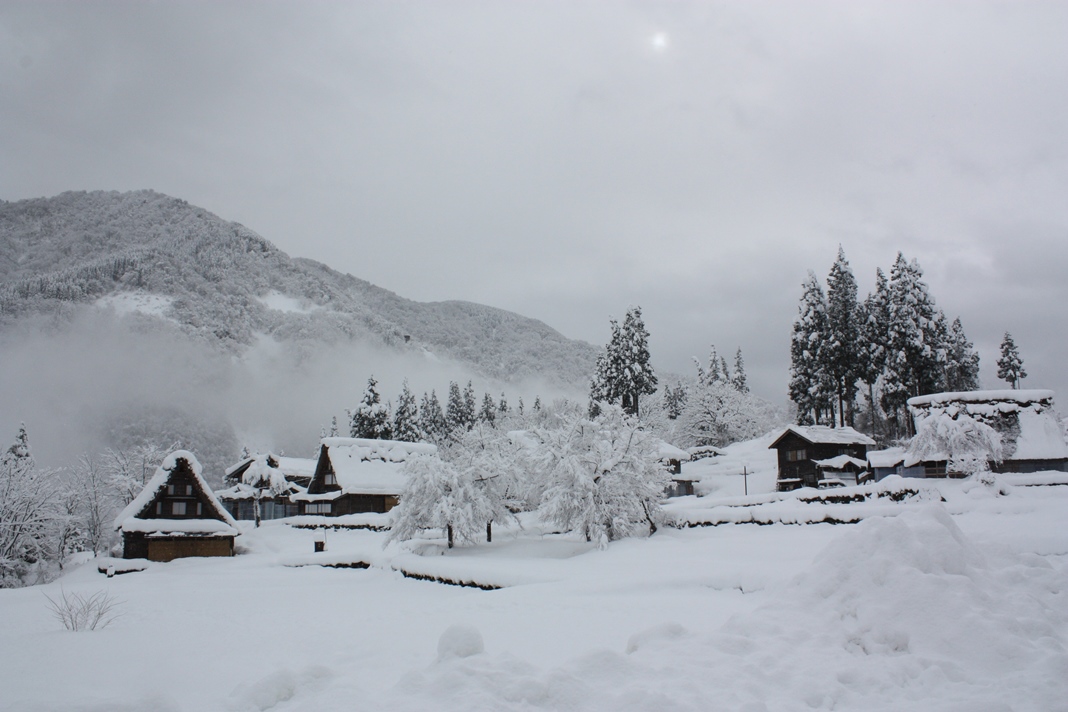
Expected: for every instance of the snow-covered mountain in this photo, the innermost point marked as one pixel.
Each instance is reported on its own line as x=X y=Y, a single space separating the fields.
x=165 y=259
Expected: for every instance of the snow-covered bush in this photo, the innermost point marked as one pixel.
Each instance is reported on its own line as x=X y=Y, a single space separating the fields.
x=602 y=477
x=968 y=445
x=27 y=513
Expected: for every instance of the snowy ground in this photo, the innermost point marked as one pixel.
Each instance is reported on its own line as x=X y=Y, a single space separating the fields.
x=954 y=605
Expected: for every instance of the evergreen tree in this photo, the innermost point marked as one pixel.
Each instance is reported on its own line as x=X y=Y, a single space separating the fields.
x=537 y=404
x=333 y=427
x=623 y=371
x=809 y=388
x=454 y=409
x=674 y=400
x=470 y=411
x=406 y=417
x=26 y=512
x=962 y=362
x=520 y=408
x=432 y=422
x=873 y=328
x=371 y=419
x=915 y=353
x=738 y=379
x=502 y=407
x=839 y=350
x=488 y=414
x=1010 y=365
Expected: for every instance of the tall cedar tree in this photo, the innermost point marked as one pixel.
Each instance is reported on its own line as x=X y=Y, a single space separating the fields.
x=808 y=380
x=839 y=351
x=1010 y=365
x=915 y=353
x=455 y=420
x=623 y=373
x=432 y=423
x=371 y=419
x=738 y=379
x=962 y=362
x=874 y=325
x=488 y=414
x=406 y=417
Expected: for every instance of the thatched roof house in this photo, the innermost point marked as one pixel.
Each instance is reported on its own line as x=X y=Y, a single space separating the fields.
x=176 y=515
x=356 y=475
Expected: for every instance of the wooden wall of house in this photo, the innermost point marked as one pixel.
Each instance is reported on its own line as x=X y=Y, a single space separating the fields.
x=182 y=488
x=168 y=549
x=804 y=468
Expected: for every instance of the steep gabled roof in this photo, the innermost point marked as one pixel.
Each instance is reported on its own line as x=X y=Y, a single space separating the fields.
x=363 y=466
x=130 y=517
x=824 y=435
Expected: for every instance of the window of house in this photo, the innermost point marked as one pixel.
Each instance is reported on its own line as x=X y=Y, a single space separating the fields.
x=330 y=478
x=159 y=507
x=170 y=489
x=189 y=489
x=200 y=509
x=318 y=508
x=178 y=509
x=795 y=455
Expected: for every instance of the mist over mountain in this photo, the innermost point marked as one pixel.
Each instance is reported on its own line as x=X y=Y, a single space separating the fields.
x=114 y=303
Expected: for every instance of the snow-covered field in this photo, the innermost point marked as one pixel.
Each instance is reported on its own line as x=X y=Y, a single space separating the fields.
x=923 y=604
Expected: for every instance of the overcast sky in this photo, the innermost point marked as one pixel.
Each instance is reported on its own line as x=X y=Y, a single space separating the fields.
x=568 y=160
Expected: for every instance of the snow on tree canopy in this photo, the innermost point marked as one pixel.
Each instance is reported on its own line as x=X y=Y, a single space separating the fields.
x=158 y=482
x=1024 y=418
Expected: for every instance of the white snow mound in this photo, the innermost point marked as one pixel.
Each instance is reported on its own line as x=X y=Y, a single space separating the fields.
x=459 y=641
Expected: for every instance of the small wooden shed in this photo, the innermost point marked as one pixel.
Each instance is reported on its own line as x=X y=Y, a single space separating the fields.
x=176 y=515
x=800 y=446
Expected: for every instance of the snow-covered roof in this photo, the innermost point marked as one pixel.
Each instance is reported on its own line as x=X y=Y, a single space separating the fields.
x=178 y=527
x=706 y=450
x=159 y=481
x=243 y=491
x=839 y=462
x=670 y=452
x=292 y=467
x=891 y=457
x=388 y=450
x=824 y=435
x=1022 y=397
x=1040 y=438
x=364 y=466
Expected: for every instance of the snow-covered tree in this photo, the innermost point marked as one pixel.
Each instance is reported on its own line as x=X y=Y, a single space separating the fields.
x=406 y=417
x=440 y=495
x=1010 y=365
x=458 y=416
x=488 y=413
x=674 y=400
x=871 y=352
x=491 y=459
x=603 y=477
x=968 y=445
x=372 y=419
x=96 y=503
x=623 y=373
x=962 y=362
x=26 y=512
x=809 y=383
x=502 y=407
x=738 y=379
x=839 y=351
x=432 y=423
x=915 y=352
x=267 y=480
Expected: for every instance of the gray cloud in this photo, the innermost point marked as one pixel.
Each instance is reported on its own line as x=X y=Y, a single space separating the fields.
x=549 y=159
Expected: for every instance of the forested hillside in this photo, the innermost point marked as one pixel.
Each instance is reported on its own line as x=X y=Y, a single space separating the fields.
x=225 y=284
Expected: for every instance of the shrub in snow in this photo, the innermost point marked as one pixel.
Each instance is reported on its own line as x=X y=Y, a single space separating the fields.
x=603 y=477
x=459 y=641
x=78 y=611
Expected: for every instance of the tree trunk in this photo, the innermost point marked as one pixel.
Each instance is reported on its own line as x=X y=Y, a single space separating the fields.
x=449 y=530
x=256 y=509
x=489 y=532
